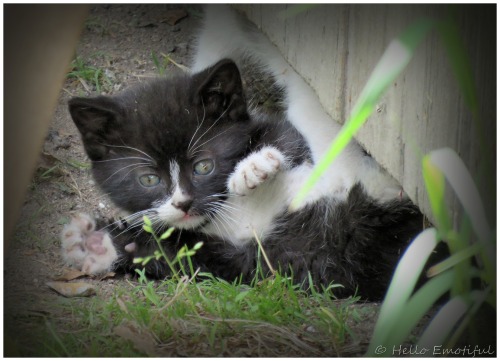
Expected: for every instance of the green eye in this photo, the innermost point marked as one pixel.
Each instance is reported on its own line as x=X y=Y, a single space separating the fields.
x=149 y=180
x=203 y=167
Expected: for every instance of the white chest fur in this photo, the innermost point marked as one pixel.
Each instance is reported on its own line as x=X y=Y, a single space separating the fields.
x=246 y=216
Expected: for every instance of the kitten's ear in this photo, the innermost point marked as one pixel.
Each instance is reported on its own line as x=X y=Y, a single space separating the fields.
x=97 y=119
x=221 y=90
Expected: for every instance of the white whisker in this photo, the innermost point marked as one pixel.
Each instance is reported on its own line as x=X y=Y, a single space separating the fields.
x=199 y=125
x=214 y=123
x=138 y=165
x=123 y=158
x=215 y=136
x=131 y=148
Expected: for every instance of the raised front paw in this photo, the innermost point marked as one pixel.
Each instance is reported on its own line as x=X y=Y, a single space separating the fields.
x=85 y=248
x=255 y=169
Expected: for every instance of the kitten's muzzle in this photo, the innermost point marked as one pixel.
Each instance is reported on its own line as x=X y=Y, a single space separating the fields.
x=183 y=205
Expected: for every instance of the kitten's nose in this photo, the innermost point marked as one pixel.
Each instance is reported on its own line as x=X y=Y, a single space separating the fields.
x=183 y=205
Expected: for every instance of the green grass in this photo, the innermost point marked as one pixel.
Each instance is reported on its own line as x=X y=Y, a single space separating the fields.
x=186 y=315
x=207 y=317
x=162 y=62
x=91 y=78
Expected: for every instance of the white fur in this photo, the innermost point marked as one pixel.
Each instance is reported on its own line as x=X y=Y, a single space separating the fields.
x=168 y=213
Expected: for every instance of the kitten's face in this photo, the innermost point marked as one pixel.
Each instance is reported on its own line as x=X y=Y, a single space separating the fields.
x=166 y=149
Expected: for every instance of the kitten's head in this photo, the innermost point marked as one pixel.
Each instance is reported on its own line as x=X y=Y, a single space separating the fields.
x=168 y=147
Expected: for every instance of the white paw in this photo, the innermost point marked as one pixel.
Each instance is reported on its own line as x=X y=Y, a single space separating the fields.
x=85 y=248
x=255 y=169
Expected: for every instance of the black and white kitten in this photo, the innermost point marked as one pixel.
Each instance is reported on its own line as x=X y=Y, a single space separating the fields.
x=187 y=153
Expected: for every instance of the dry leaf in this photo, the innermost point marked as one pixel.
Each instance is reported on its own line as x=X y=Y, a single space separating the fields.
x=70 y=274
x=48 y=165
x=142 y=339
x=173 y=16
x=76 y=289
x=107 y=276
x=122 y=305
x=47 y=161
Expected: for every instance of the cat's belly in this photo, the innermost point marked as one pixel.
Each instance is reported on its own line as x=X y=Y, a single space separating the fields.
x=245 y=217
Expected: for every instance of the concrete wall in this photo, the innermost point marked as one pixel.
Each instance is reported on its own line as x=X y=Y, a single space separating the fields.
x=336 y=47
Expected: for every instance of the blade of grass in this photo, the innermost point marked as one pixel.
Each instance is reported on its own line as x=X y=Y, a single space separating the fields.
x=395 y=58
x=478 y=297
x=405 y=278
x=442 y=324
x=454 y=259
x=435 y=186
x=462 y=183
x=273 y=271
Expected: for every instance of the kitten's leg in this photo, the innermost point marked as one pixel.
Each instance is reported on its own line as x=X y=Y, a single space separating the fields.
x=85 y=248
x=257 y=168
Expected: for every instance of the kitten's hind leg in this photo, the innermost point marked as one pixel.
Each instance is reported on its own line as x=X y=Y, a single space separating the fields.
x=257 y=168
x=85 y=248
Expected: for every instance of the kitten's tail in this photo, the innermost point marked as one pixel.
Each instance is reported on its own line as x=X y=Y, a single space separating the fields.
x=225 y=34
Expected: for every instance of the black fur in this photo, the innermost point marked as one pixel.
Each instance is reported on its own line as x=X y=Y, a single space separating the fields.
x=356 y=243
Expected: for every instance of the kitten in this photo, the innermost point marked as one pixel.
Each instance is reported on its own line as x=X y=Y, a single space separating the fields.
x=188 y=153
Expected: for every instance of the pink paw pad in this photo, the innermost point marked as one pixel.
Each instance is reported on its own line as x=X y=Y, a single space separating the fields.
x=84 y=248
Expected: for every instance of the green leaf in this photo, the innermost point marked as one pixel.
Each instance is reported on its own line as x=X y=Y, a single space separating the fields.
x=167 y=234
x=435 y=186
x=147 y=221
x=454 y=259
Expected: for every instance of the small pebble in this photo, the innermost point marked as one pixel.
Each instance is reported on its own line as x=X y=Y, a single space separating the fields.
x=109 y=74
x=102 y=205
x=310 y=329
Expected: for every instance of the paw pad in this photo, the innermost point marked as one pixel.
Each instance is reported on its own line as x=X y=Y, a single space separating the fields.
x=84 y=248
x=256 y=169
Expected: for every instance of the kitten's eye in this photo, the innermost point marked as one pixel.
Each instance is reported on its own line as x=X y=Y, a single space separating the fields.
x=149 y=180
x=203 y=167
